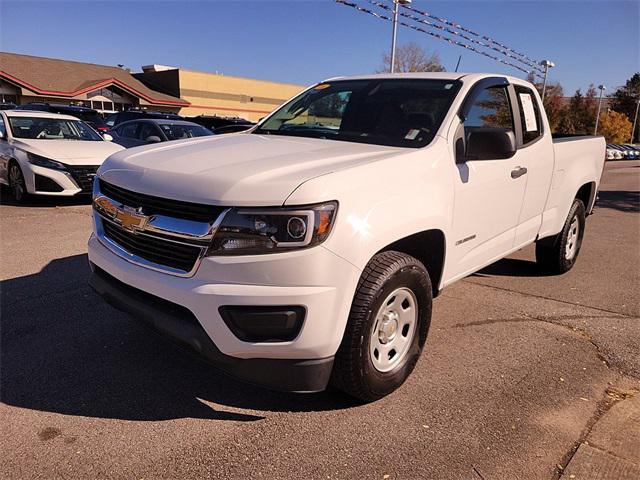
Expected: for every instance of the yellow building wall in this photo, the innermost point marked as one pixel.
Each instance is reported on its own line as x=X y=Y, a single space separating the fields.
x=222 y=95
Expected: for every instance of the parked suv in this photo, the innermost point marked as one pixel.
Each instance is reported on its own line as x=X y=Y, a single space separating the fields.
x=88 y=115
x=120 y=117
x=213 y=122
x=308 y=250
x=144 y=131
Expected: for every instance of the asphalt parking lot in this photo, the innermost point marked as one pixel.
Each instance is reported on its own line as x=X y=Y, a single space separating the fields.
x=519 y=368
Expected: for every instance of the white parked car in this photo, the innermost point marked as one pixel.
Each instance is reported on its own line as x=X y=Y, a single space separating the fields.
x=308 y=249
x=44 y=153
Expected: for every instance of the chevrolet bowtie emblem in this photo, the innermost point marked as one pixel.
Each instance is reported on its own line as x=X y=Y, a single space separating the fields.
x=130 y=219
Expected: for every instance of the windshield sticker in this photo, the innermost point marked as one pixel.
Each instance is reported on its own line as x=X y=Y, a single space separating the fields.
x=322 y=86
x=413 y=133
x=530 y=122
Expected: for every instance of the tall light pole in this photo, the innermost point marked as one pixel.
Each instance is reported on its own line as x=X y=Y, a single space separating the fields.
x=602 y=88
x=635 y=120
x=396 y=4
x=547 y=64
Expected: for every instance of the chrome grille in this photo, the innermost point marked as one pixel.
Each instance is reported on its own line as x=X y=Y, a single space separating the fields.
x=139 y=233
x=83 y=175
x=156 y=205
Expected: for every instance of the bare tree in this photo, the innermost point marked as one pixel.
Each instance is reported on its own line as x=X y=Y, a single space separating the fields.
x=411 y=57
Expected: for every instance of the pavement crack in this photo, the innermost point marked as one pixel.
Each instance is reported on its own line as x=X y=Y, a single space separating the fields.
x=566 y=302
x=477 y=472
x=610 y=397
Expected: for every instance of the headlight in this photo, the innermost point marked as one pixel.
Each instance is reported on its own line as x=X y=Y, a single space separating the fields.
x=45 y=162
x=250 y=231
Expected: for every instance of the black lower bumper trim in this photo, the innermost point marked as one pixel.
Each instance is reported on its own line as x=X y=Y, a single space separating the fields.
x=181 y=325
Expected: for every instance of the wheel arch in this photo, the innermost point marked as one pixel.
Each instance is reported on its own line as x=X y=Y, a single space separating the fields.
x=429 y=247
x=586 y=193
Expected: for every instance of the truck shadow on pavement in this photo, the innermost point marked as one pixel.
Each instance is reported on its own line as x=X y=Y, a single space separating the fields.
x=44 y=201
x=64 y=350
x=621 y=200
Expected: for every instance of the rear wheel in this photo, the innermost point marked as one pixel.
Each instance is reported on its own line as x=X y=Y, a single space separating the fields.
x=17 y=184
x=558 y=254
x=387 y=327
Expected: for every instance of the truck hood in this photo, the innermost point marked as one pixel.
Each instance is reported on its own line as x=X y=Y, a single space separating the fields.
x=71 y=152
x=240 y=169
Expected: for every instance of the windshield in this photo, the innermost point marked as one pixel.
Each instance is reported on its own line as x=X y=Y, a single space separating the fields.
x=395 y=112
x=39 y=128
x=177 y=131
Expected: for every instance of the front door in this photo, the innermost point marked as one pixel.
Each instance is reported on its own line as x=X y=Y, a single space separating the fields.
x=5 y=151
x=488 y=193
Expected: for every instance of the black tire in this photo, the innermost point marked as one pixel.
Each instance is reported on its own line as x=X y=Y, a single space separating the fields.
x=553 y=253
x=17 y=184
x=354 y=372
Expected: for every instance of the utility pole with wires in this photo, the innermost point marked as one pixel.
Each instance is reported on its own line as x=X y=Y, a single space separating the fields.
x=635 y=120
x=547 y=64
x=396 y=4
x=602 y=88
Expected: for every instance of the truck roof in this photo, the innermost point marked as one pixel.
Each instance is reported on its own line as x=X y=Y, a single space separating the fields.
x=429 y=75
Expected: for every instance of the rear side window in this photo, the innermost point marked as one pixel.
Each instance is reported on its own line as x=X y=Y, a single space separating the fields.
x=129 y=130
x=491 y=109
x=3 y=129
x=529 y=114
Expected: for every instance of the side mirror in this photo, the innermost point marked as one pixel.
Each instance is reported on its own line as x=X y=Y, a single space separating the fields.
x=107 y=137
x=153 y=139
x=489 y=144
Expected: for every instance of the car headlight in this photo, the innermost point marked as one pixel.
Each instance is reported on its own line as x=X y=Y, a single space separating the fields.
x=251 y=231
x=45 y=162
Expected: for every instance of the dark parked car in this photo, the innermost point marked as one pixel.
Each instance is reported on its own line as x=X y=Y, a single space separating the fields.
x=87 y=115
x=7 y=106
x=213 y=122
x=117 y=118
x=233 y=128
x=145 y=131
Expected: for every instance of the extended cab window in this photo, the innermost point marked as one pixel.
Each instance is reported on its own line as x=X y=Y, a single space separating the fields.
x=491 y=109
x=529 y=114
x=394 y=112
x=3 y=129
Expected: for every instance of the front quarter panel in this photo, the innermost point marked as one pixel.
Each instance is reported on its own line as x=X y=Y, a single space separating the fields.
x=384 y=201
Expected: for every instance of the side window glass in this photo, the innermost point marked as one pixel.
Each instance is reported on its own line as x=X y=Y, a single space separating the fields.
x=3 y=129
x=129 y=131
x=530 y=115
x=146 y=131
x=491 y=109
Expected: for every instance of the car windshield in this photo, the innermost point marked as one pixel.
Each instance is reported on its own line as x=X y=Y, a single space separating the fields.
x=177 y=131
x=41 y=128
x=394 y=112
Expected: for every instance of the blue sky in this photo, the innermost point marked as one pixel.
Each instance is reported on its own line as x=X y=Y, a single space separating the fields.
x=305 y=41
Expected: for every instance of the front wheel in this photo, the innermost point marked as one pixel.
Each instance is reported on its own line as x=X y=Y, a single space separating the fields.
x=558 y=254
x=17 y=184
x=387 y=327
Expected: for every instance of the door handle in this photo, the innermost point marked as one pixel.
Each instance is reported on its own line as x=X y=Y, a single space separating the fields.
x=518 y=172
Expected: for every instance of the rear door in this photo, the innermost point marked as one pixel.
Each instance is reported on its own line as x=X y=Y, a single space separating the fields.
x=535 y=150
x=488 y=193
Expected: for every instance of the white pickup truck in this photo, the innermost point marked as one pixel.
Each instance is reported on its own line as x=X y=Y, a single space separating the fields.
x=307 y=250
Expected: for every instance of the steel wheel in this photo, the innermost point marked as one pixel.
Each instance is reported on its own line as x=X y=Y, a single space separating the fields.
x=16 y=183
x=393 y=329
x=573 y=235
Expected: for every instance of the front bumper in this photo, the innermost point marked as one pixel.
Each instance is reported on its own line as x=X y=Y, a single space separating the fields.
x=179 y=324
x=75 y=180
x=315 y=279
